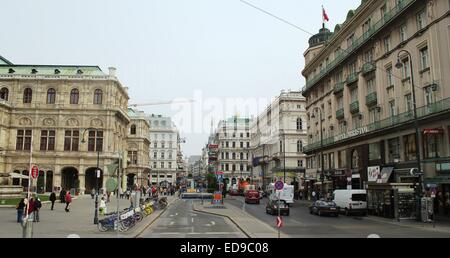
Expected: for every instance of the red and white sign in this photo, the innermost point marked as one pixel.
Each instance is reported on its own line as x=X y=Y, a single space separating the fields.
x=34 y=172
x=219 y=172
x=433 y=131
x=279 y=222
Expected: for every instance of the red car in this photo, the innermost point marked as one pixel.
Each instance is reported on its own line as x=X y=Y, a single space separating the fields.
x=252 y=196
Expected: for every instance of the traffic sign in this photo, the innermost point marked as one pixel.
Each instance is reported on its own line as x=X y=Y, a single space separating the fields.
x=279 y=222
x=34 y=172
x=279 y=185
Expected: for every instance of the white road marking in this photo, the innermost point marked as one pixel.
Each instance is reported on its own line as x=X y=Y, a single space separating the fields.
x=192 y=220
x=176 y=214
x=171 y=215
x=213 y=223
x=171 y=223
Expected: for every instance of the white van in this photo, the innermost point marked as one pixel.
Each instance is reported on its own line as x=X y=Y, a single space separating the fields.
x=286 y=194
x=351 y=201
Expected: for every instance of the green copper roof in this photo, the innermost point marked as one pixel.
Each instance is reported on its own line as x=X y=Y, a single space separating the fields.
x=50 y=70
x=4 y=61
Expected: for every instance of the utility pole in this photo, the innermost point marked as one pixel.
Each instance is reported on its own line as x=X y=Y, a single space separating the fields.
x=27 y=223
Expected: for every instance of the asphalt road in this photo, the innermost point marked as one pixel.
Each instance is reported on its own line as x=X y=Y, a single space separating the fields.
x=302 y=224
x=180 y=221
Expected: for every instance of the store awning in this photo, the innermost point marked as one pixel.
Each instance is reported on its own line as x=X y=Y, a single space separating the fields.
x=385 y=174
x=17 y=175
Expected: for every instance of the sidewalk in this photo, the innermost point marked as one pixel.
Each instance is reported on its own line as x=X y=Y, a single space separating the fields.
x=250 y=225
x=79 y=221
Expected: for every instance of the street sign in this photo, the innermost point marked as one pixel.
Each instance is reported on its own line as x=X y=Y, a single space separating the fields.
x=34 y=172
x=279 y=185
x=279 y=222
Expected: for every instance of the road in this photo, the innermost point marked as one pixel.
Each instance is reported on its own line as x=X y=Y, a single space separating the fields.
x=180 y=221
x=302 y=224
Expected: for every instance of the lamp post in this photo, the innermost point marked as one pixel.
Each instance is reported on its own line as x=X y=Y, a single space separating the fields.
x=322 y=175
x=97 y=172
x=284 y=156
x=399 y=65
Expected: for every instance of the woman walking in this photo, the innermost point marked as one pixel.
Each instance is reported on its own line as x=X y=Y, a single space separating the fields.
x=68 y=200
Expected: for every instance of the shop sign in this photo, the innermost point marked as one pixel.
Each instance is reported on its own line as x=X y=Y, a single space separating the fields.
x=352 y=133
x=433 y=131
x=373 y=173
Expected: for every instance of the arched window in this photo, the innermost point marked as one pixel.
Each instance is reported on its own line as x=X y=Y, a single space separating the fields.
x=133 y=129
x=27 y=95
x=233 y=155
x=98 y=96
x=355 y=159
x=51 y=95
x=4 y=94
x=74 y=96
x=299 y=124
x=241 y=155
x=299 y=146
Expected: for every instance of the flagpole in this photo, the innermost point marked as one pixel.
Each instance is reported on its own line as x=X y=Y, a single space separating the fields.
x=323 y=18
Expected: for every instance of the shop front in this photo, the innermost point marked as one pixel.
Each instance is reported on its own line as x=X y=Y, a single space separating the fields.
x=438 y=188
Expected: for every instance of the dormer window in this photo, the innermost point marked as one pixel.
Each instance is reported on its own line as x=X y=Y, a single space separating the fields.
x=79 y=71
x=57 y=71
x=11 y=70
x=34 y=71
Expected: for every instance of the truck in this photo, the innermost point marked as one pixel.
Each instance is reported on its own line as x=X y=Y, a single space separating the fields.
x=286 y=194
x=351 y=201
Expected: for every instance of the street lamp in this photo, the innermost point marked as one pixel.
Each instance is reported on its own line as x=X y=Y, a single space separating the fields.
x=284 y=156
x=97 y=173
x=322 y=175
x=399 y=65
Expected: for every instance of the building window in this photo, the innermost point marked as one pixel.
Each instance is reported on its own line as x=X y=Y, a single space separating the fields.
x=170 y=166
x=233 y=155
x=74 y=96
x=241 y=167
x=23 y=141
x=95 y=142
x=421 y=20
x=154 y=166
x=299 y=146
x=4 y=92
x=162 y=164
x=222 y=155
x=356 y=122
x=342 y=162
x=227 y=167
x=51 y=96
x=27 y=95
x=155 y=145
x=393 y=149
x=248 y=135
x=300 y=163
x=429 y=96
x=370 y=86
x=223 y=167
x=98 y=96
x=392 y=109
x=71 y=140
x=350 y=41
x=242 y=144
x=374 y=115
x=299 y=124
x=432 y=145
x=227 y=144
x=227 y=156
x=387 y=44
x=155 y=155
x=248 y=144
x=170 y=155
x=424 y=64
x=374 y=151
x=234 y=145
x=133 y=129
x=403 y=31
x=354 y=95
x=242 y=135
x=162 y=155
x=409 y=103
x=163 y=145
x=331 y=158
x=233 y=167
x=405 y=69
x=410 y=147
x=241 y=155
x=389 y=77
x=133 y=157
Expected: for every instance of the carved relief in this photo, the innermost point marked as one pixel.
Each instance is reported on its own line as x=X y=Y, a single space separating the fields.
x=72 y=122
x=431 y=5
x=96 y=122
x=25 y=121
x=48 y=122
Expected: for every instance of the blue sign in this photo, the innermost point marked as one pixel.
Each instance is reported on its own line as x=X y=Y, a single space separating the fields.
x=279 y=185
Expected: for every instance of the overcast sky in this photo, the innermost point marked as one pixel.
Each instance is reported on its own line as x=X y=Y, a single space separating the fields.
x=173 y=49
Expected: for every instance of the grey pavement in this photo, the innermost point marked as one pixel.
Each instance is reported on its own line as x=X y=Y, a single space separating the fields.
x=79 y=221
x=181 y=221
x=250 y=224
x=302 y=224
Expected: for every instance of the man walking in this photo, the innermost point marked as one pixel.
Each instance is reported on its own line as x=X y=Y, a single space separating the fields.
x=20 y=209
x=52 y=198
x=37 y=207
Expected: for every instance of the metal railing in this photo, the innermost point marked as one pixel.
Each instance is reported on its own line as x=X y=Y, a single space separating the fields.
x=371 y=99
x=354 y=107
x=338 y=87
x=340 y=113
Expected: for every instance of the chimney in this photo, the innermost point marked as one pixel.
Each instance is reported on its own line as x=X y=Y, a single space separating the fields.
x=112 y=71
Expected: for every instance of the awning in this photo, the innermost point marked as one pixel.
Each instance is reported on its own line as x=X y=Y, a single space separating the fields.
x=385 y=174
x=17 y=175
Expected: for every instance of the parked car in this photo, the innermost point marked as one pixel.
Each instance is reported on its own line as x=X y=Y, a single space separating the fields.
x=323 y=207
x=272 y=207
x=252 y=196
x=351 y=201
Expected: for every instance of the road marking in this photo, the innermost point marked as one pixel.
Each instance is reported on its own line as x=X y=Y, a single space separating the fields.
x=373 y=236
x=171 y=215
x=192 y=220
x=213 y=223
x=176 y=214
x=171 y=223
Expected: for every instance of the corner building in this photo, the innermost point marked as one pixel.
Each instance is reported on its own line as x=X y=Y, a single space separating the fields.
x=366 y=103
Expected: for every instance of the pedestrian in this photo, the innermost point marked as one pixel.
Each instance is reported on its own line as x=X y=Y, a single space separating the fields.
x=62 y=196
x=314 y=195
x=20 y=207
x=120 y=193
x=37 y=207
x=30 y=206
x=107 y=196
x=102 y=207
x=68 y=200
x=92 y=193
x=52 y=198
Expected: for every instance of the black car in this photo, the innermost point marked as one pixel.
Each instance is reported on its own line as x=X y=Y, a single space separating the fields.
x=323 y=207
x=272 y=207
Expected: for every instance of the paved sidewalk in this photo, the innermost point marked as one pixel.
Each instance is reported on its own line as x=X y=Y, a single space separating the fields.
x=252 y=226
x=79 y=221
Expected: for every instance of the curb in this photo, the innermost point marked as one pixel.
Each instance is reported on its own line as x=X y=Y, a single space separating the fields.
x=226 y=216
x=136 y=235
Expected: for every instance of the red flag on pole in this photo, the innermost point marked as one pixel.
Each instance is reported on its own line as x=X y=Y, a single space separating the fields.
x=325 y=15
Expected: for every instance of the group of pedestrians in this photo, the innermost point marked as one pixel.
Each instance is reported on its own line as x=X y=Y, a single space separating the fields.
x=33 y=205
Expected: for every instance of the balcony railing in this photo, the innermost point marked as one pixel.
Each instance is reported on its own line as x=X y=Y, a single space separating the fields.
x=340 y=114
x=354 y=107
x=352 y=78
x=393 y=121
x=368 y=67
x=388 y=17
x=338 y=87
x=371 y=99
